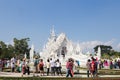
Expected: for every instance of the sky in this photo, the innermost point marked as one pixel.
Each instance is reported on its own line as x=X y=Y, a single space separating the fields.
x=88 y=22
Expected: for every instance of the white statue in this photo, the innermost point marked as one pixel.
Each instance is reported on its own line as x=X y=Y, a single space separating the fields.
x=99 y=53
x=32 y=58
x=25 y=56
x=32 y=53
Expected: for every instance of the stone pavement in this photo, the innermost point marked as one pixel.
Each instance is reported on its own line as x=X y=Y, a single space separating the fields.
x=10 y=74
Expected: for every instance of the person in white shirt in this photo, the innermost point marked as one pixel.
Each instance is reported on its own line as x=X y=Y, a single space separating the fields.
x=52 y=65
x=13 y=66
x=48 y=67
x=58 y=67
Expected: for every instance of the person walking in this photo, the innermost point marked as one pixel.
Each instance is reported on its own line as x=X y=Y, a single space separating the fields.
x=69 y=67
x=111 y=64
x=95 y=68
x=41 y=67
x=88 y=67
x=35 y=68
x=92 y=67
x=52 y=65
x=119 y=64
x=58 y=67
x=13 y=66
x=48 y=67
x=23 y=67
x=28 y=68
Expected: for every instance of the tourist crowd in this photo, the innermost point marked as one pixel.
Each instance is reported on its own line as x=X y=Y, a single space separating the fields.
x=94 y=64
x=53 y=67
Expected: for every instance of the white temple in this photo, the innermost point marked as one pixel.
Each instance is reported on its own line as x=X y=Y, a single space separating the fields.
x=60 y=47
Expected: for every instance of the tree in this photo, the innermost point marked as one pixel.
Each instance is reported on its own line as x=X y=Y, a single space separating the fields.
x=104 y=49
x=21 y=46
x=10 y=50
x=4 y=51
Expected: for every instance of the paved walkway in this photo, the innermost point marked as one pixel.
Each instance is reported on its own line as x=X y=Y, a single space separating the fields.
x=10 y=74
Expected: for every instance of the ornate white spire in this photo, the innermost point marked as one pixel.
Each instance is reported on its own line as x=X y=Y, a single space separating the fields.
x=32 y=53
x=78 y=49
x=99 y=52
x=25 y=56
x=52 y=33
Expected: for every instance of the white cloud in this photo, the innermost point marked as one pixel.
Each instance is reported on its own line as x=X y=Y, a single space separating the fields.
x=109 y=42
x=118 y=47
x=89 y=45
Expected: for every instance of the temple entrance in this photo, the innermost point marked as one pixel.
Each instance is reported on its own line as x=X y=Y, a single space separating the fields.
x=64 y=51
